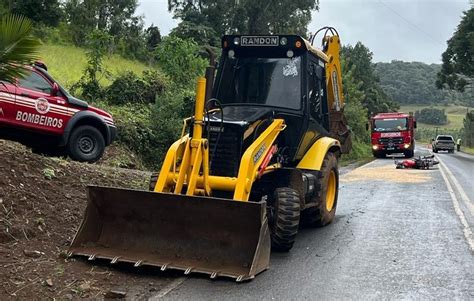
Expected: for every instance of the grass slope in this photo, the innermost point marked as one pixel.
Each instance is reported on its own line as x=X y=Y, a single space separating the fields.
x=67 y=63
x=455 y=115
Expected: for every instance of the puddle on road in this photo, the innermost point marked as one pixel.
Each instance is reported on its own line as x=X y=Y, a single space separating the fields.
x=387 y=173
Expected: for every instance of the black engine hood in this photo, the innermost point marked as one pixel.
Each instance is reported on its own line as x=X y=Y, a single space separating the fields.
x=243 y=115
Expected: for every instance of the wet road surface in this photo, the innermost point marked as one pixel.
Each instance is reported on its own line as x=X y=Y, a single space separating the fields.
x=396 y=235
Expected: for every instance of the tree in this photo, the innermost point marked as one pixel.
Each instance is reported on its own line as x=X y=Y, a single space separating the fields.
x=4 y=7
x=201 y=34
x=48 y=12
x=111 y=16
x=359 y=61
x=17 y=46
x=458 y=59
x=153 y=37
x=244 y=16
x=355 y=112
x=180 y=60
x=468 y=129
x=98 y=43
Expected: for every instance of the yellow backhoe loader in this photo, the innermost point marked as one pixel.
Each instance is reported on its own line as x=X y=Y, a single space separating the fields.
x=259 y=157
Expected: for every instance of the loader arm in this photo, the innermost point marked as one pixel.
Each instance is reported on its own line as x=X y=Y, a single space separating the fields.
x=334 y=73
x=192 y=153
x=339 y=128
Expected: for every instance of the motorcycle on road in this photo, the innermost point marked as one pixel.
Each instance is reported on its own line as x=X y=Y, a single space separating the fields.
x=420 y=162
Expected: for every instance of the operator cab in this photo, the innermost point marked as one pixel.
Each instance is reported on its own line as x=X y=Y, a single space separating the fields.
x=265 y=77
x=274 y=71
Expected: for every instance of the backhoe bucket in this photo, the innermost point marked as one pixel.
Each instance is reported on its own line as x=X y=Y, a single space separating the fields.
x=218 y=237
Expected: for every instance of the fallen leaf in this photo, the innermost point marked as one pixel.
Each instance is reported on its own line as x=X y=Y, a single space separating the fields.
x=49 y=282
x=34 y=254
x=85 y=286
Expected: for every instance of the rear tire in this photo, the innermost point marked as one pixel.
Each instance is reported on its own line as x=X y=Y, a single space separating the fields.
x=153 y=180
x=326 y=197
x=86 y=144
x=49 y=151
x=284 y=218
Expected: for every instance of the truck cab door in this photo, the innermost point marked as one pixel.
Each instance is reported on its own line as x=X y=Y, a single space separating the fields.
x=40 y=105
x=7 y=102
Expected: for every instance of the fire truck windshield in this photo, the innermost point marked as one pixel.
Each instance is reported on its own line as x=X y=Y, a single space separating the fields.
x=390 y=125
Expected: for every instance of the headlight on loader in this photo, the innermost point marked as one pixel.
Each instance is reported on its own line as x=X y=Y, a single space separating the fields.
x=407 y=145
x=375 y=147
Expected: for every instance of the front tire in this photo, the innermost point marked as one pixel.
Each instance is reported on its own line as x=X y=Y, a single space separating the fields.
x=284 y=218
x=379 y=155
x=326 y=197
x=409 y=153
x=86 y=144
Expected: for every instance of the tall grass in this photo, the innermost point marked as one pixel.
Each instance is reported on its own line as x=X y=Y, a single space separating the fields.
x=66 y=64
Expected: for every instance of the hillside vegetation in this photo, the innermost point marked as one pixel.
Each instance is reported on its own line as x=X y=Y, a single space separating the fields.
x=425 y=132
x=415 y=83
x=455 y=115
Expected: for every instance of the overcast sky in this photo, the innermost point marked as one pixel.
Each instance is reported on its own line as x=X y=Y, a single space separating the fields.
x=408 y=30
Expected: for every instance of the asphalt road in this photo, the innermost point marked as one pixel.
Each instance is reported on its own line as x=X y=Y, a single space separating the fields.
x=461 y=167
x=398 y=234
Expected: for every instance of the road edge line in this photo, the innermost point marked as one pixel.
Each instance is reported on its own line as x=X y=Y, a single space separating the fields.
x=462 y=193
x=467 y=230
x=168 y=288
x=459 y=188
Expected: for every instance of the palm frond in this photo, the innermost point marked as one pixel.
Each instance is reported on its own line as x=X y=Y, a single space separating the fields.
x=17 y=46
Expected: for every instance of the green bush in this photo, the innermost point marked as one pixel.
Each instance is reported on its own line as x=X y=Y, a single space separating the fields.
x=134 y=128
x=360 y=150
x=167 y=117
x=130 y=88
x=52 y=35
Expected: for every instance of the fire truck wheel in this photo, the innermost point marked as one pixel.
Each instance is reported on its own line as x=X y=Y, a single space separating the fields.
x=284 y=218
x=409 y=154
x=379 y=154
x=86 y=144
x=326 y=196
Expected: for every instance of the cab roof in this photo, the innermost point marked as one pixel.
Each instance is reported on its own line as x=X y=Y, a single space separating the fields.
x=271 y=42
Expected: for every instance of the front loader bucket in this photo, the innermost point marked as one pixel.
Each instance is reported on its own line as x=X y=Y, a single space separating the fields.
x=218 y=237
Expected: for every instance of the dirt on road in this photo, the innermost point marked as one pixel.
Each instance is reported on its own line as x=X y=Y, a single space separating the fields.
x=42 y=201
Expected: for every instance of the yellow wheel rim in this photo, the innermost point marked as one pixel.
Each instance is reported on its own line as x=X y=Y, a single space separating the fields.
x=331 y=191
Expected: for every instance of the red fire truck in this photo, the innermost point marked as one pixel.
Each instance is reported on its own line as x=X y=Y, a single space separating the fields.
x=36 y=111
x=393 y=133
